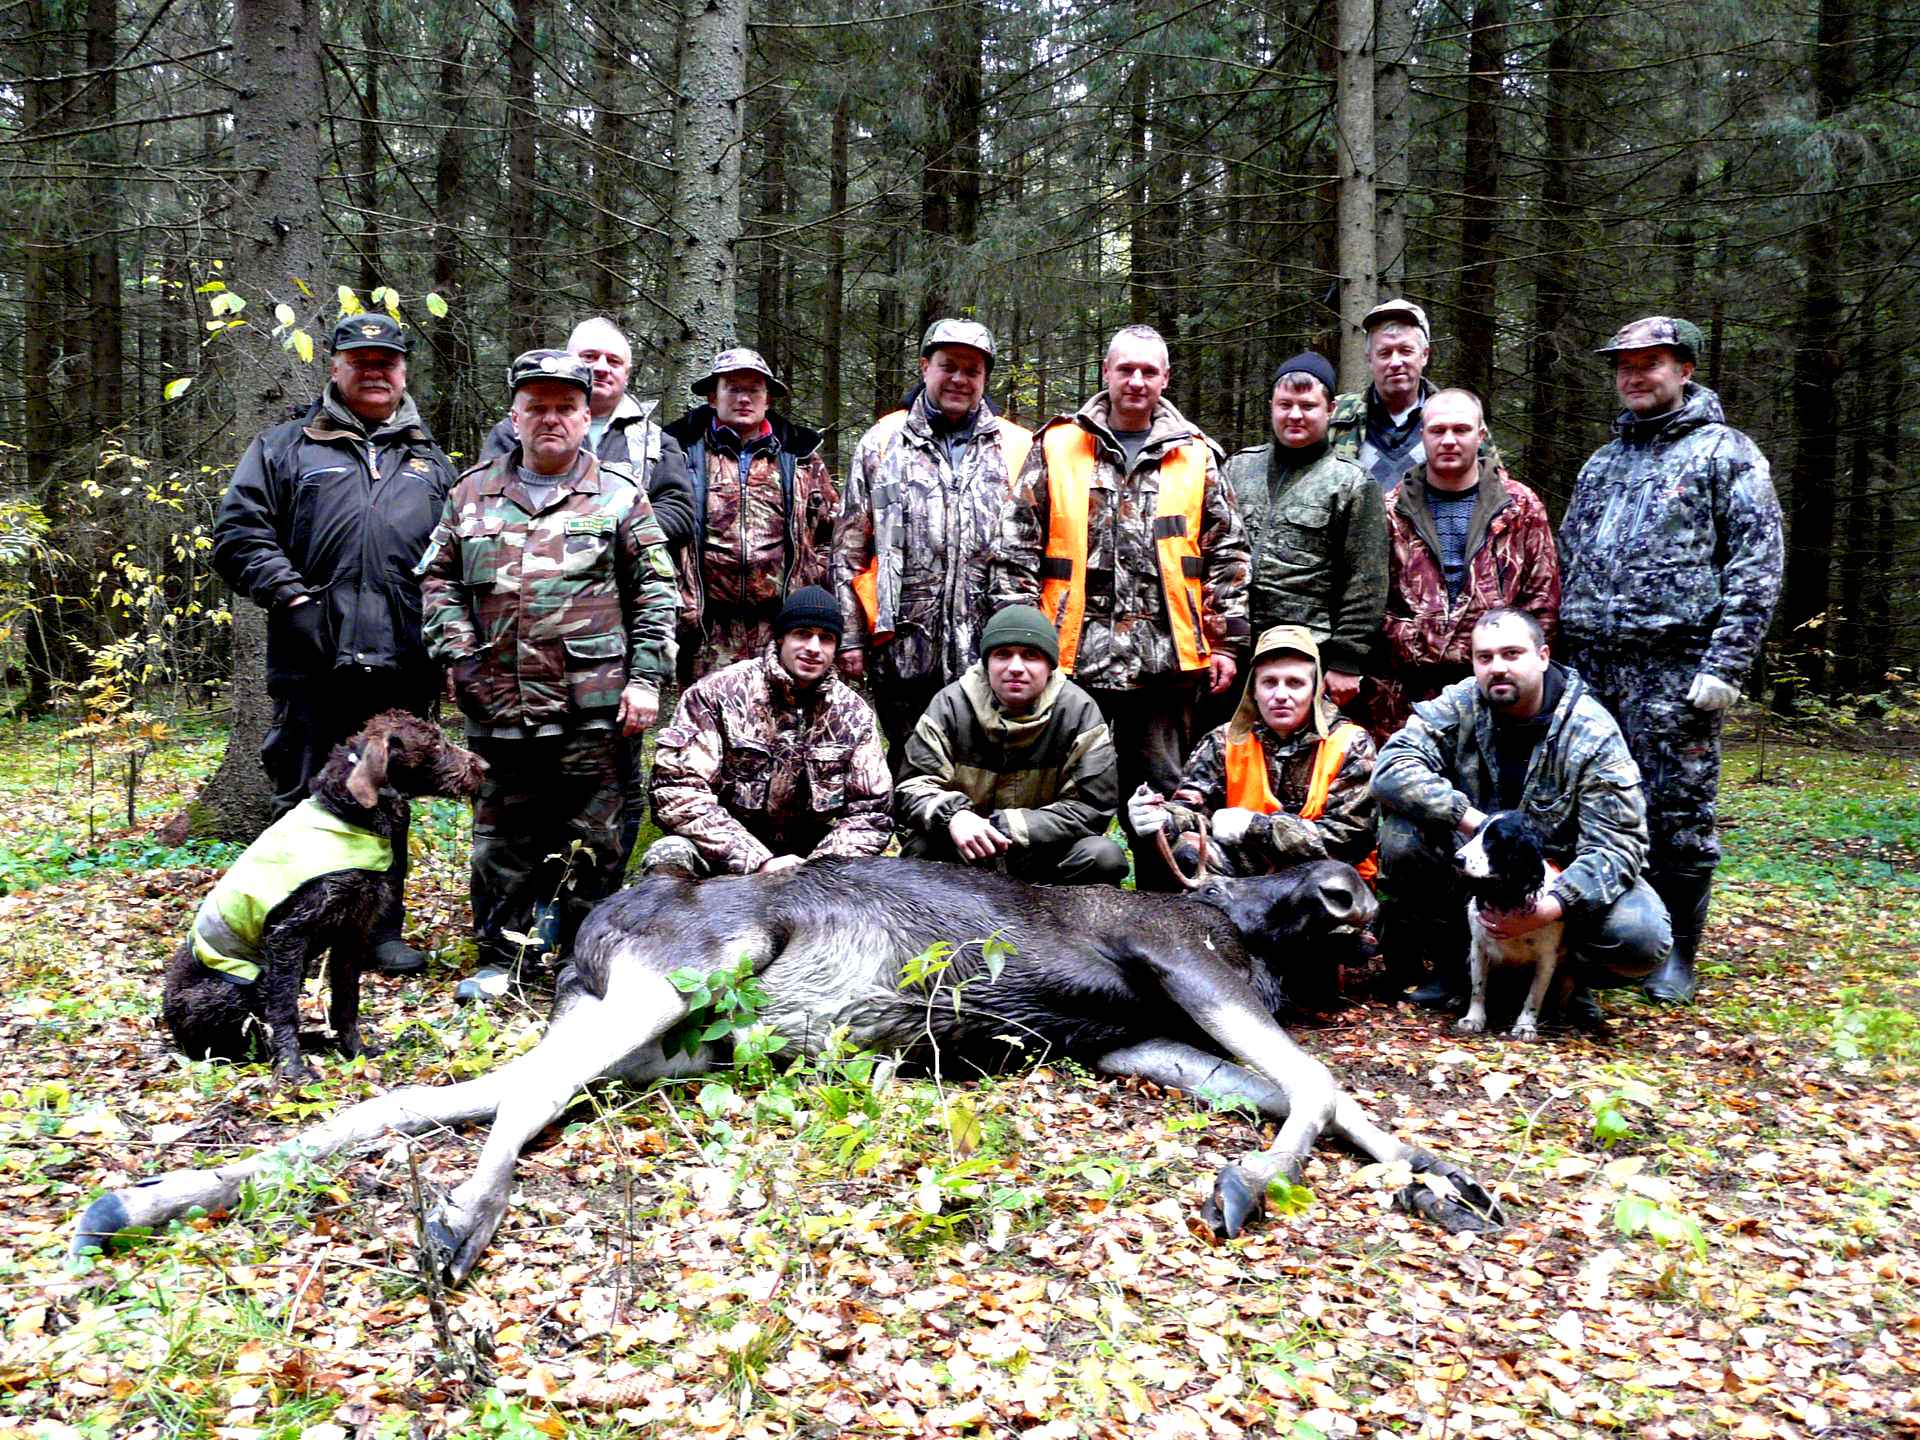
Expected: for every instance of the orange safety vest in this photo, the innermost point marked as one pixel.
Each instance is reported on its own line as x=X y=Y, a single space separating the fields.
x=1072 y=453
x=1015 y=441
x=1247 y=787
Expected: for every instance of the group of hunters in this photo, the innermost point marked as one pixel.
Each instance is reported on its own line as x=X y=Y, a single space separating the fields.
x=1353 y=640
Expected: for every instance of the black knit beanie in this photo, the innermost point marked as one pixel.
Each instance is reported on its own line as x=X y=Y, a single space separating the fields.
x=1020 y=625
x=813 y=606
x=1308 y=363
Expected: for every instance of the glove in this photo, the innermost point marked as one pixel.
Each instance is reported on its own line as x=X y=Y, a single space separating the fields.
x=1146 y=813
x=1230 y=826
x=1711 y=693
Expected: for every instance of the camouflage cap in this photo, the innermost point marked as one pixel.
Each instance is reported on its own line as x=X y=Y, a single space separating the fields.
x=369 y=330
x=738 y=358
x=558 y=365
x=1399 y=312
x=1681 y=336
x=958 y=332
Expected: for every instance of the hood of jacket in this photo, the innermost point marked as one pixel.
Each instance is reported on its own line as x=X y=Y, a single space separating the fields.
x=796 y=439
x=1003 y=727
x=1698 y=406
x=1169 y=426
x=330 y=416
x=1277 y=640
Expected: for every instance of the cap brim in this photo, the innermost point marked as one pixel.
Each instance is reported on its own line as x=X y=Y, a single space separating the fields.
x=703 y=387
x=398 y=347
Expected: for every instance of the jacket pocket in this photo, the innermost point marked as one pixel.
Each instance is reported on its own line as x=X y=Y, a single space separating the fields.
x=827 y=777
x=480 y=547
x=748 y=776
x=596 y=670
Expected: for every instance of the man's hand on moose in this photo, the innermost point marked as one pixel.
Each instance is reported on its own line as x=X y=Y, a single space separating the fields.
x=782 y=862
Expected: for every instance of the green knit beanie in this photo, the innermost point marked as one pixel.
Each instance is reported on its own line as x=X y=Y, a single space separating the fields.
x=1020 y=625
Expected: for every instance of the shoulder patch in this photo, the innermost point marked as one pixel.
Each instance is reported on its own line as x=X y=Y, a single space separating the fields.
x=591 y=524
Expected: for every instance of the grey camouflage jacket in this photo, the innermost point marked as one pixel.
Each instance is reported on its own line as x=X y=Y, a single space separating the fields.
x=935 y=517
x=752 y=767
x=1672 y=541
x=1125 y=639
x=1582 y=787
x=1319 y=543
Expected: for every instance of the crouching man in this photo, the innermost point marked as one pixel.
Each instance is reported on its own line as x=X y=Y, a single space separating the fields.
x=1284 y=781
x=772 y=761
x=1012 y=767
x=1523 y=734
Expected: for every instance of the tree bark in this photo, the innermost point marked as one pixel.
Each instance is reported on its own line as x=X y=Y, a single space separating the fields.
x=836 y=297
x=524 y=326
x=705 y=222
x=608 y=282
x=105 y=321
x=1472 y=365
x=452 y=343
x=950 y=178
x=369 y=243
x=1557 y=361
x=1392 y=138
x=1354 y=159
x=275 y=233
x=1139 y=232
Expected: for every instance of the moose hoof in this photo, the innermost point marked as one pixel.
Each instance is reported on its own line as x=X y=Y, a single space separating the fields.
x=1236 y=1198
x=1458 y=1203
x=99 y=1223
x=457 y=1236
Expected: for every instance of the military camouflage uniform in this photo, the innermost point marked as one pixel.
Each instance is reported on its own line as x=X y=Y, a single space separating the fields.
x=933 y=505
x=763 y=514
x=1319 y=550
x=1510 y=563
x=1344 y=831
x=1347 y=435
x=1582 y=790
x=545 y=614
x=1046 y=779
x=1127 y=657
x=753 y=767
x=1670 y=558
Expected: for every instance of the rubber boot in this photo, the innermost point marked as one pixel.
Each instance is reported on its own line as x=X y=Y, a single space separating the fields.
x=1447 y=990
x=1686 y=894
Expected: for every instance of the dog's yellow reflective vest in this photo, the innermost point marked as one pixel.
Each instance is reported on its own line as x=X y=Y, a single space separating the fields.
x=1247 y=787
x=1015 y=443
x=303 y=844
x=1072 y=453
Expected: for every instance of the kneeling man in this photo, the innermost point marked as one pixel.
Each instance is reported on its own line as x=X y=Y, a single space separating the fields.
x=1284 y=781
x=773 y=760
x=1523 y=734
x=1012 y=767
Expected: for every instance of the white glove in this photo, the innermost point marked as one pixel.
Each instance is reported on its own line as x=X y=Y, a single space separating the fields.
x=1230 y=826
x=1146 y=812
x=1711 y=693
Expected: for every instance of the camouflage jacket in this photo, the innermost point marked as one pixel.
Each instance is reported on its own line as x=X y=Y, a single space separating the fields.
x=1319 y=551
x=751 y=768
x=1347 y=434
x=763 y=515
x=1047 y=778
x=1582 y=787
x=1344 y=831
x=933 y=517
x=1510 y=562
x=1126 y=638
x=547 y=613
x=1672 y=541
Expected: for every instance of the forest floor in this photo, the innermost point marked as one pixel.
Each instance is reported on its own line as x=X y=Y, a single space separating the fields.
x=1715 y=1227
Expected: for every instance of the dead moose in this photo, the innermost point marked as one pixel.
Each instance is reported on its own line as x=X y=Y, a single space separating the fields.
x=1171 y=989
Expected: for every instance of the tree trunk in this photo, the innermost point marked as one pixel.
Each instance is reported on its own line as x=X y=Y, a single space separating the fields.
x=452 y=345
x=705 y=220
x=608 y=281
x=106 y=323
x=369 y=243
x=950 y=179
x=1557 y=361
x=1818 y=363
x=1392 y=138
x=1354 y=159
x=275 y=229
x=775 y=200
x=525 y=329
x=1472 y=363
x=1139 y=237
x=836 y=296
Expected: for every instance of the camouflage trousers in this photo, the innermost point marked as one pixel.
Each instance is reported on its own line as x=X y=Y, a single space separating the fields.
x=539 y=796
x=1676 y=747
x=730 y=635
x=1423 y=911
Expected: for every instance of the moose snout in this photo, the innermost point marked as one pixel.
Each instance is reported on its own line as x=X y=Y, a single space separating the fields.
x=1348 y=900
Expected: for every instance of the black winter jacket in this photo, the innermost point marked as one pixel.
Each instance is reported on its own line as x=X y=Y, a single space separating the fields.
x=306 y=514
x=665 y=479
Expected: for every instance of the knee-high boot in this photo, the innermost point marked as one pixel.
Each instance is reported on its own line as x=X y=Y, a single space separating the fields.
x=1686 y=893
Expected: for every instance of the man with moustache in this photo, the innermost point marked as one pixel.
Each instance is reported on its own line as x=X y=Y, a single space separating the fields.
x=1125 y=537
x=1671 y=557
x=924 y=498
x=550 y=597
x=1522 y=734
x=321 y=528
x=1011 y=766
x=772 y=761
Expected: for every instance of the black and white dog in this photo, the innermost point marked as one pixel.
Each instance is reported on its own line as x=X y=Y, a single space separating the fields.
x=1506 y=869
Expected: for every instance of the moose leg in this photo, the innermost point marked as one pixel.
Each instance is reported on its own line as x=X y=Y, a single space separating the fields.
x=589 y=1037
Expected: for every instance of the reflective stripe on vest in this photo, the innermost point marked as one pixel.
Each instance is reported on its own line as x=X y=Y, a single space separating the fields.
x=1072 y=453
x=1015 y=443
x=1248 y=788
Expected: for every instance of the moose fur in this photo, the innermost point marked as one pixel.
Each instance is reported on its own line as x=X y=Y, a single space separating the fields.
x=367 y=782
x=1506 y=869
x=1161 y=987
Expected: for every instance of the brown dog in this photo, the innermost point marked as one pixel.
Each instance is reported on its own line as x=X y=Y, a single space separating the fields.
x=315 y=881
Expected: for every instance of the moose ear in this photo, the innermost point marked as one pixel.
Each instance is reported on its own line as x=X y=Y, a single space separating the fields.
x=369 y=772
